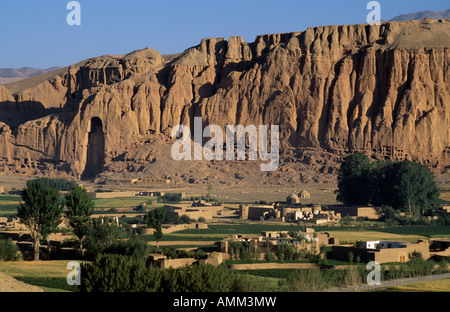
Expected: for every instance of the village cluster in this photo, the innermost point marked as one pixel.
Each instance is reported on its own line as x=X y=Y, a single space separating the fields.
x=290 y=211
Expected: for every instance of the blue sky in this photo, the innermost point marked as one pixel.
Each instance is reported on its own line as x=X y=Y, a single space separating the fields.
x=36 y=34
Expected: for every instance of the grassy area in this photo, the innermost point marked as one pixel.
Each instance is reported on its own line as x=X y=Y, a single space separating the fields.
x=231 y=206
x=171 y=237
x=341 y=262
x=188 y=246
x=425 y=231
x=262 y=283
x=196 y=236
x=48 y=275
x=240 y=228
x=8 y=204
x=122 y=202
x=430 y=286
x=345 y=234
x=272 y=273
x=444 y=198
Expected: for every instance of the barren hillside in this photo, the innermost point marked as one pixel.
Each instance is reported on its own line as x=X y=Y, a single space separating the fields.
x=382 y=90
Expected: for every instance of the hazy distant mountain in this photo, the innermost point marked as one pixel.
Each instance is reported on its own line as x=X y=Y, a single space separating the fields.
x=421 y=15
x=8 y=75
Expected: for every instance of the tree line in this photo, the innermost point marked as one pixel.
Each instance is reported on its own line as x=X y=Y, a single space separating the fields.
x=405 y=186
x=41 y=210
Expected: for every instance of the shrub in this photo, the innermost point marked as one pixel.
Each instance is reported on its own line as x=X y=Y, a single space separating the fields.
x=307 y=281
x=101 y=235
x=443 y=266
x=204 y=278
x=134 y=247
x=353 y=276
x=184 y=219
x=200 y=254
x=8 y=250
x=269 y=257
x=170 y=198
x=118 y=273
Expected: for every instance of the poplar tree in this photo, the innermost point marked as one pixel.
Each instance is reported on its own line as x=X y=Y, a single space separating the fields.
x=40 y=211
x=80 y=207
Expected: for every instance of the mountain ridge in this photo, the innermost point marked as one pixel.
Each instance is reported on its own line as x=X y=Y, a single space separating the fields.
x=11 y=75
x=381 y=90
x=445 y=14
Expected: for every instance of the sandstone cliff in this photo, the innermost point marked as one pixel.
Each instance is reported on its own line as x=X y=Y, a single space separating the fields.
x=382 y=90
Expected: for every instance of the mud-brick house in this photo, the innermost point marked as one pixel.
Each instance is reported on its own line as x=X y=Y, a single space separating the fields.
x=381 y=251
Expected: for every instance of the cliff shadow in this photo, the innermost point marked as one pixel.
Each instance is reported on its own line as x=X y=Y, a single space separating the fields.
x=16 y=113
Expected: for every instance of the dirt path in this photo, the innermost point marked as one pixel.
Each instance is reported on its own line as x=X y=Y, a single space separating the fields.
x=10 y=284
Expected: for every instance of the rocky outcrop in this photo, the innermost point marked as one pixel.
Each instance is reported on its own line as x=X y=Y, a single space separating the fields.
x=382 y=90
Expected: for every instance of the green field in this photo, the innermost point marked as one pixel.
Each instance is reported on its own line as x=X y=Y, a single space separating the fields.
x=413 y=232
x=431 y=286
x=240 y=228
x=122 y=202
x=444 y=198
x=427 y=231
x=8 y=204
x=165 y=238
x=345 y=234
x=48 y=275
x=272 y=273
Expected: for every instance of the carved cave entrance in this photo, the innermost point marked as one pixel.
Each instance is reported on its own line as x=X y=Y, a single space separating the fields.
x=95 y=149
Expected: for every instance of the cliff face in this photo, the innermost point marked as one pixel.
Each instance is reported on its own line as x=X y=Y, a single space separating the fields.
x=382 y=90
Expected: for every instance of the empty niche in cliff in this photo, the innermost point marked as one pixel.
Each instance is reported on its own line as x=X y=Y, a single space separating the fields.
x=95 y=149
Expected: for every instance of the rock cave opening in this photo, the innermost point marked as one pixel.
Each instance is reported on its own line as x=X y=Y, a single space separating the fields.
x=95 y=150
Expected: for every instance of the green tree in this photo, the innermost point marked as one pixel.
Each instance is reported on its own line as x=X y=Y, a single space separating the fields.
x=157 y=234
x=57 y=183
x=416 y=188
x=80 y=207
x=184 y=219
x=353 y=180
x=40 y=211
x=154 y=219
x=134 y=247
x=154 y=216
x=407 y=186
x=388 y=213
x=208 y=195
x=102 y=233
x=382 y=179
x=8 y=250
x=171 y=217
x=350 y=256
